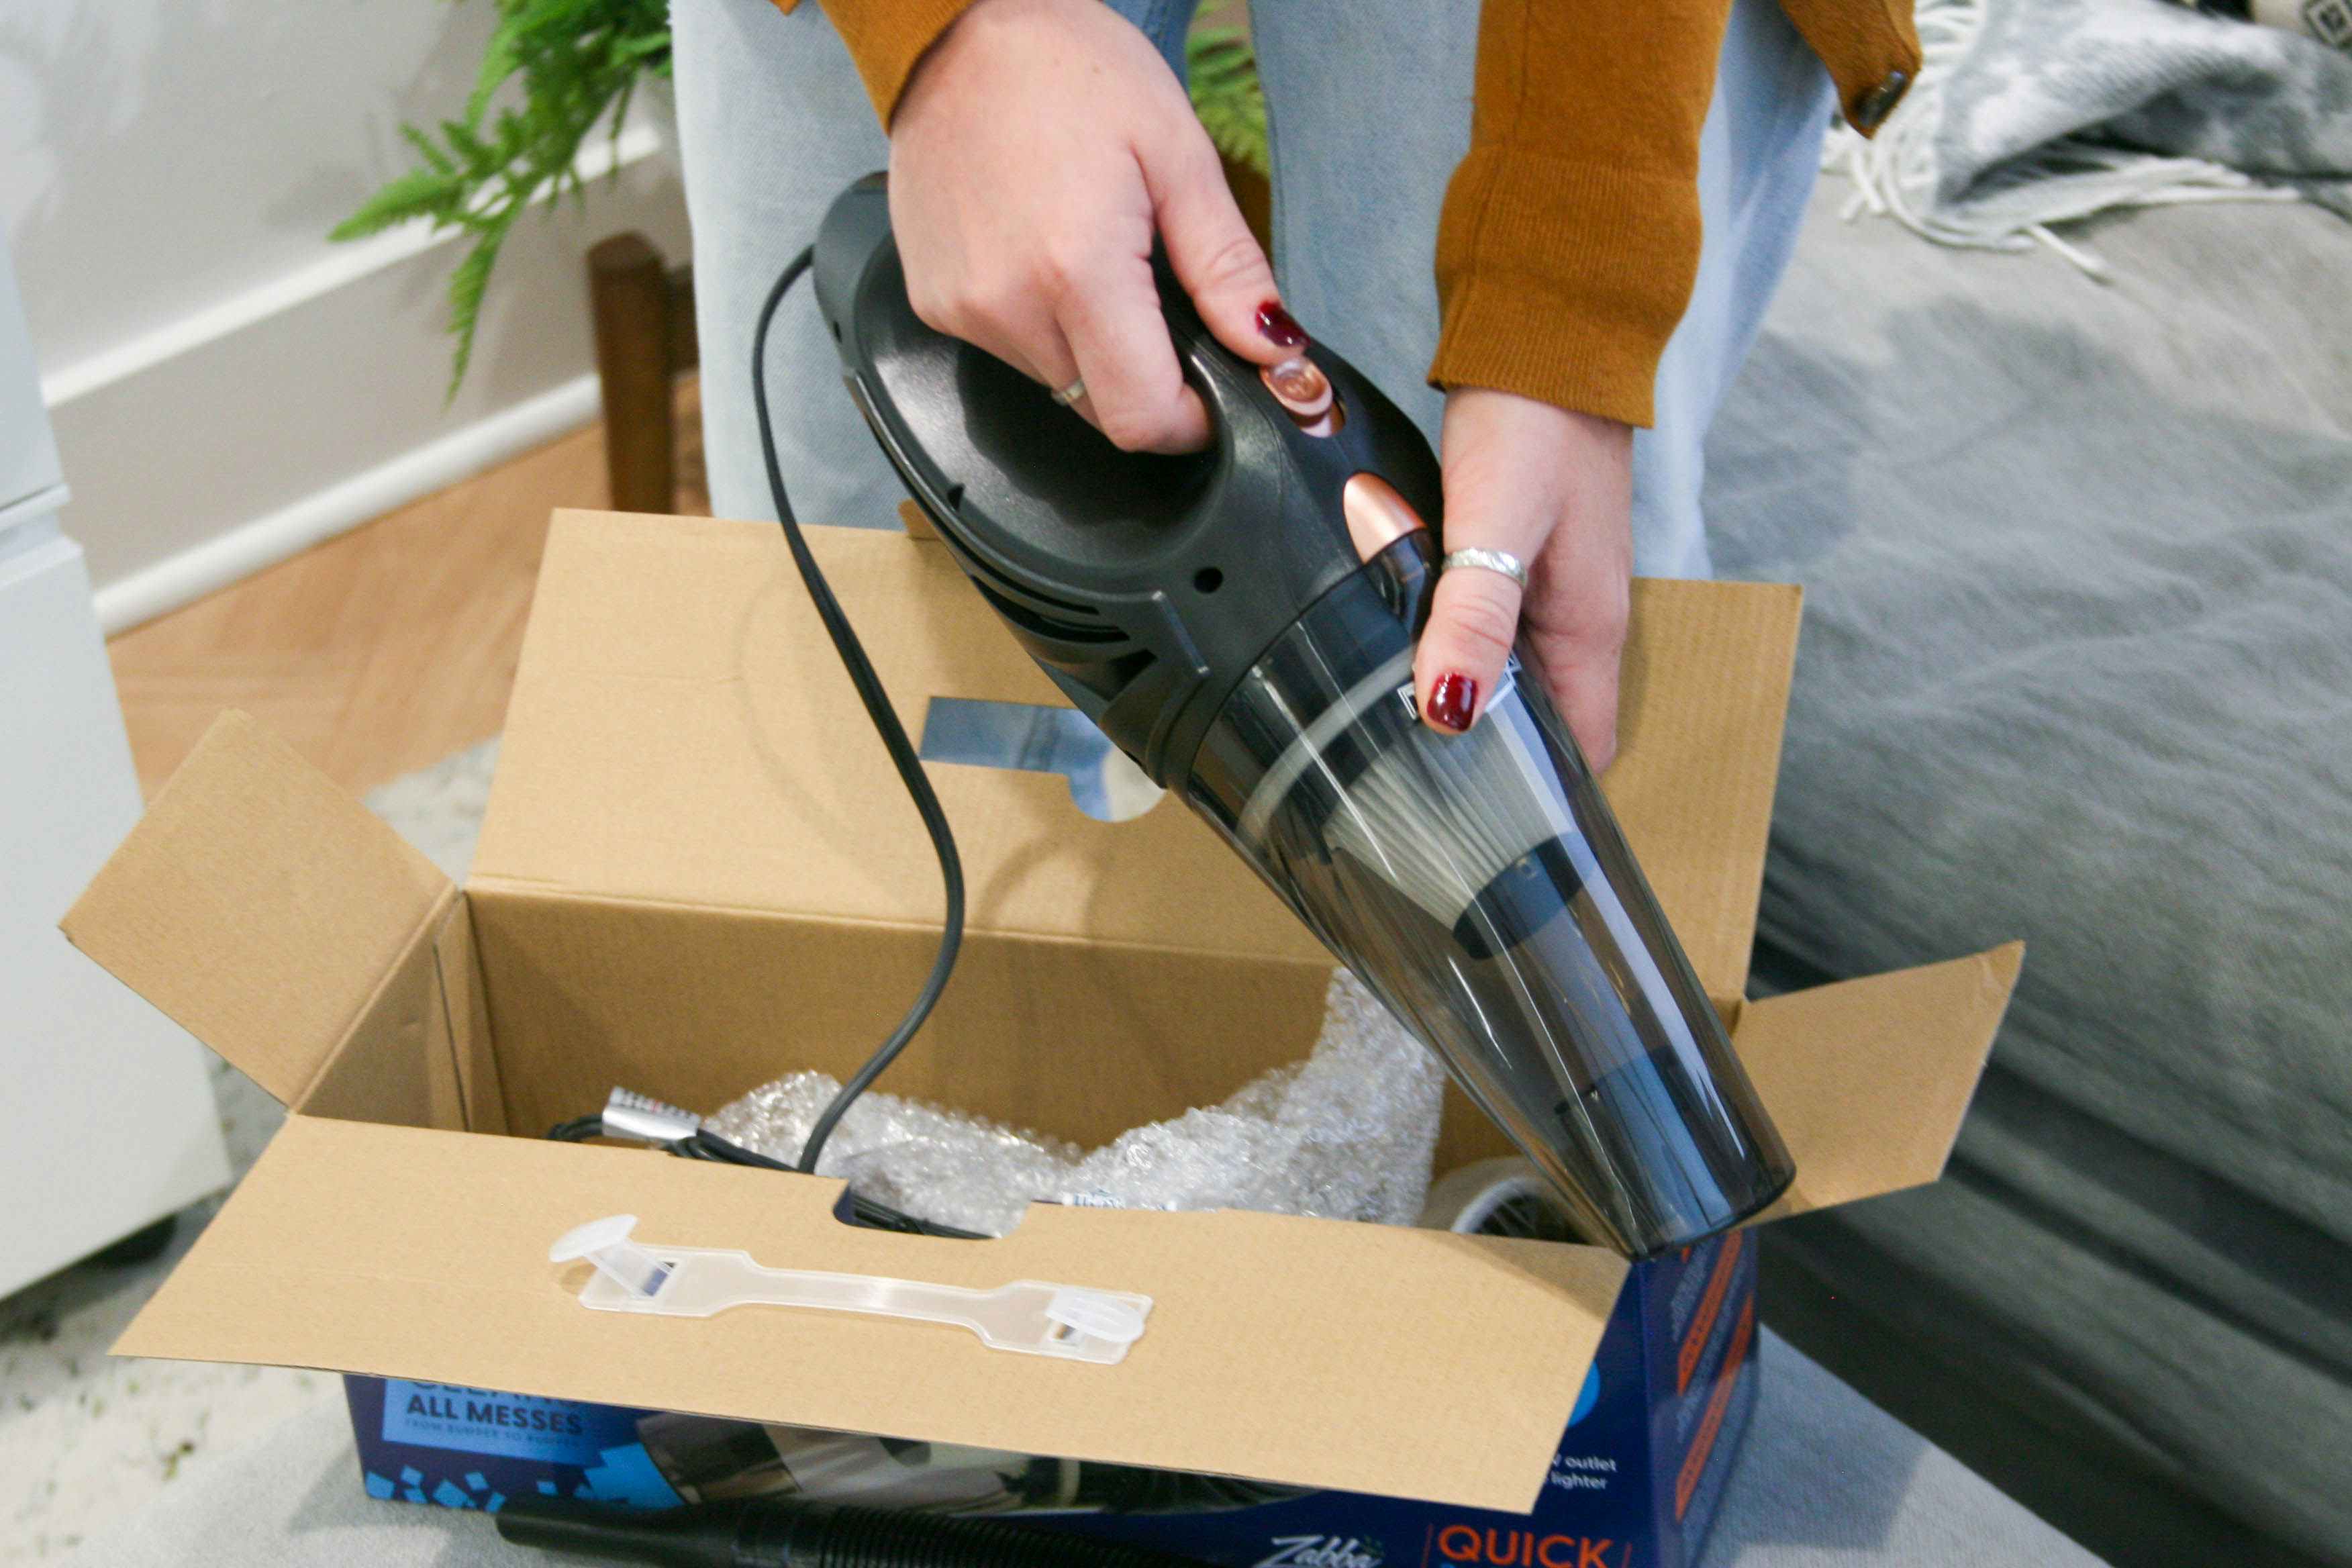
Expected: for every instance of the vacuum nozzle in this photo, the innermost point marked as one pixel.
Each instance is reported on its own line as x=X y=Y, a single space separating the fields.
x=776 y=1533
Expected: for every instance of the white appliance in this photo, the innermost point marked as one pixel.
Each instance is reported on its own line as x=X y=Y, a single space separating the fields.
x=110 y=1122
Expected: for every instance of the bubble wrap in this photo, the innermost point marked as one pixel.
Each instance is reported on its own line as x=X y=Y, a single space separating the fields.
x=1345 y=1134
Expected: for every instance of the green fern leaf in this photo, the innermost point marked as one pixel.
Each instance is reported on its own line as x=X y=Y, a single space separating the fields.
x=434 y=157
x=419 y=194
x=468 y=146
x=574 y=62
x=1226 y=95
x=467 y=286
x=644 y=48
x=500 y=59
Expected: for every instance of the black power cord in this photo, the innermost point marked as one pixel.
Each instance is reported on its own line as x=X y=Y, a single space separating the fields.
x=886 y=723
x=700 y=1144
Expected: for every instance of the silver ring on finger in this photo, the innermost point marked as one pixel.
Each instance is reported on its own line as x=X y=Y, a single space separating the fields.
x=1500 y=562
x=1071 y=393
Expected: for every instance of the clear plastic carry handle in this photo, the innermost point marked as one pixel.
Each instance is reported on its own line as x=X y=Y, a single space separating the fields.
x=1069 y=1322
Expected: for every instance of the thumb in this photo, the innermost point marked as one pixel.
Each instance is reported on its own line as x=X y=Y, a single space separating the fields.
x=1217 y=259
x=1501 y=503
x=1472 y=618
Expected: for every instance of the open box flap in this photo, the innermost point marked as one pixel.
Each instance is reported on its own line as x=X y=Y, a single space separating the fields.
x=258 y=905
x=1408 y=1362
x=678 y=665
x=1868 y=1079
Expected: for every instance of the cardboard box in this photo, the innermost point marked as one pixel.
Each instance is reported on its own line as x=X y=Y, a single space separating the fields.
x=697 y=873
x=1635 y=1483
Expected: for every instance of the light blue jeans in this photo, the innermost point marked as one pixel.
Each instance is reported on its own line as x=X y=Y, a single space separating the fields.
x=1369 y=102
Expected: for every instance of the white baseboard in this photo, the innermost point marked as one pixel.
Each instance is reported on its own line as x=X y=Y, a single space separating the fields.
x=338 y=267
x=201 y=569
x=230 y=439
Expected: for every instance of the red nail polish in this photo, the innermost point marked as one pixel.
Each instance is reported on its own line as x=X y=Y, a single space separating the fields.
x=1279 y=330
x=1453 y=702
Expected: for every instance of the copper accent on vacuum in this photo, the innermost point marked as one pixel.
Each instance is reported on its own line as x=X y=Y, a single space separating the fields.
x=1377 y=515
x=1305 y=394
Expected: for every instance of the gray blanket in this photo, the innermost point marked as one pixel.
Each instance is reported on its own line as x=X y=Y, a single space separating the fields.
x=2033 y=113
x=2077 y=667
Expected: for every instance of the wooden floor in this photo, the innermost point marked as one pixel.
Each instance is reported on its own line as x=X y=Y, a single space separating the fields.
x=385 y=649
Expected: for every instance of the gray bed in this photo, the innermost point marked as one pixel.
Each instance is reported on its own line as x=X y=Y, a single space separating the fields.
x=2077 y=667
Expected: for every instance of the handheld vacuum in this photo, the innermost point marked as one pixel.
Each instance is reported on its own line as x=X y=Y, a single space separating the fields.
x=1241 y=622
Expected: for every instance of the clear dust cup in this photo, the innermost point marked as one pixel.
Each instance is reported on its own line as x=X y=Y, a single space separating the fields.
x=1480 y=886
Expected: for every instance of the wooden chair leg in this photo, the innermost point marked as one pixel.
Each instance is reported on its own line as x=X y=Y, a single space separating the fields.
x=629 y=294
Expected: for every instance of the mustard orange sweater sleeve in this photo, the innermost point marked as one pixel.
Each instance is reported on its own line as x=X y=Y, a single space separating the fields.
x=886 y=38
x=1570 y=234
x=1569 y=237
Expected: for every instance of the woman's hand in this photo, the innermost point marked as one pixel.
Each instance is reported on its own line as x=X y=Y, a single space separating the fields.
x=1035 y=153
x=1556 y=490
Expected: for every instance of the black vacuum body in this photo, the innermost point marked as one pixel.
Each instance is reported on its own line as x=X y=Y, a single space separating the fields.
x=1241 y=622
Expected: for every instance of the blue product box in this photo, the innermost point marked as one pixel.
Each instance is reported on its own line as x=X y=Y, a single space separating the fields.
x=1641 y=1467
